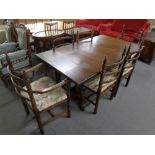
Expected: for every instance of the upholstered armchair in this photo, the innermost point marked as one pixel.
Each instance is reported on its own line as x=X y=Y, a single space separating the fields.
x=15 y=51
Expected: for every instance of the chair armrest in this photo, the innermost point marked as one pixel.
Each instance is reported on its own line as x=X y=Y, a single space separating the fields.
x=35 y=68
x=52 y=88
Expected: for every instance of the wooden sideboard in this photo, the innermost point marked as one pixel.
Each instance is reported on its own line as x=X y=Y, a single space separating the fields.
x=149 y=48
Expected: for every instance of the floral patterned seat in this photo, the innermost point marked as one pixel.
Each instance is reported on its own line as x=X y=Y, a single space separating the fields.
x=40 y=93
x=46 y=100
x=127 y=69
x=94 y=83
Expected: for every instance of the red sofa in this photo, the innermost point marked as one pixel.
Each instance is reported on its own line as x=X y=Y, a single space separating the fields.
x=93 y=23
x=115 y=29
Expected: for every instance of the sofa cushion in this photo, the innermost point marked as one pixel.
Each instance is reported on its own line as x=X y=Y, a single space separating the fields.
x=94 y=22
x=111 y=33
x=134 y=24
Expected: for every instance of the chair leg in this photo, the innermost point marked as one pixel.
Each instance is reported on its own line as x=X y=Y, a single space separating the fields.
x=25 y=107
x=5 y=83
x=96 y=105
x=113 y=93
x=39 y=122
x=58 y=76
x=68 y=110
x=116 y=88
x=128 y=79
x=81 y=99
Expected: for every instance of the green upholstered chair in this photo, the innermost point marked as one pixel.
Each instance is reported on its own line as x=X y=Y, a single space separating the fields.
x=18 y=58
x=10 y=32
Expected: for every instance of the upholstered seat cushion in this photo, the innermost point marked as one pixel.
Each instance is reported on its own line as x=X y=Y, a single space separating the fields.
x=94 y=83
x=46 y=100
x=7 y=47
x=127 y=69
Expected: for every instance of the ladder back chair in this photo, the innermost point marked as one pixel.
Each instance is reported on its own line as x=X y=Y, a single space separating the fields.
x=106 y=80
x=51 y=27
x=130 y=63
x=42 y=94
x=62 y=41
x=68 y=27
x=67 y=37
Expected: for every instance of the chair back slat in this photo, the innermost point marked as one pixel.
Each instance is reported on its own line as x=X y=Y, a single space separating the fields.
x=23 y=87
x=130 y=61
x=19 y=84
x=111 y=73
x=68 y=27
x=53 y=27
x=132 y=57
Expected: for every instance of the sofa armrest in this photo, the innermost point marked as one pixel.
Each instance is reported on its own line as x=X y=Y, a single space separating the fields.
x=145 y=28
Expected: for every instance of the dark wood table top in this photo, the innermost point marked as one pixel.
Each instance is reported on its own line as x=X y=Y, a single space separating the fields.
x=47 y=34
x=82 y=61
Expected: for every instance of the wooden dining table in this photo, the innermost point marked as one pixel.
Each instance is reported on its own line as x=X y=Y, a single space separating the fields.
x=45 y=37
x=82 y=61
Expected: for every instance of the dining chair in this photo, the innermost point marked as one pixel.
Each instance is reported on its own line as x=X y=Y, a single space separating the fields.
x=42 y=94
x=68 y=27
x=62 y=40
x=104 y=81
x=50 y=29
x=128 y=66
x=130 y=63
x=84 y=36
x=53 y=27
